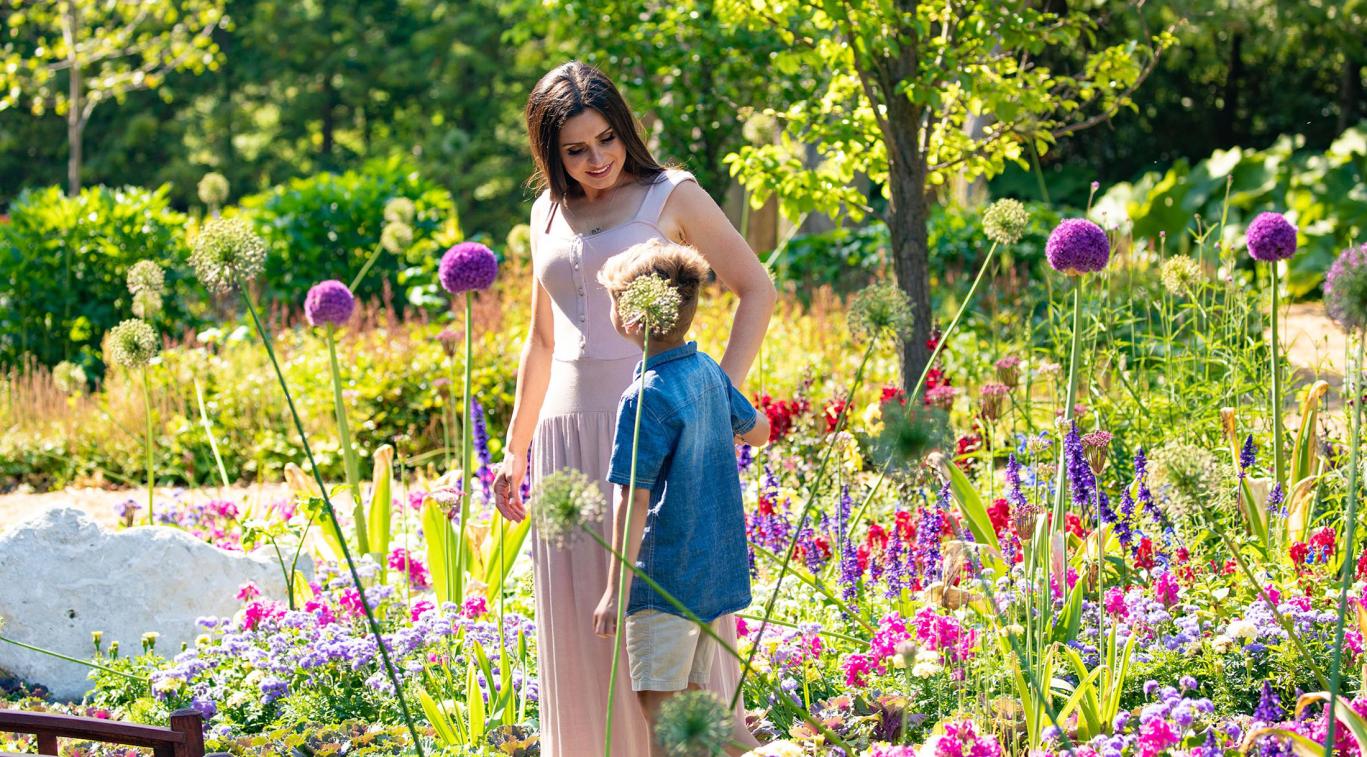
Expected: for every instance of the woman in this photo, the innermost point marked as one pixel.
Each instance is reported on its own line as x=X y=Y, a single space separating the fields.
x=603 y=192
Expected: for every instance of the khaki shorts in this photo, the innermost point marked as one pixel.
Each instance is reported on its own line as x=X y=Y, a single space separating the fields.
x=667 y=652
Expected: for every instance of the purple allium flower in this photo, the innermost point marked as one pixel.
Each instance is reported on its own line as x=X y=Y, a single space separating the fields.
x=1077 y=246
x=467 y=266
x=1345 y=289
x=329 y=302
x=1271 y=238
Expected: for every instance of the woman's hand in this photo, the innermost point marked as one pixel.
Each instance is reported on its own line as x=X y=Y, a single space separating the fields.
x=508 y=487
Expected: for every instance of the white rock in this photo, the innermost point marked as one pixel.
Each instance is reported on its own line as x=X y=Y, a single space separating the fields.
x=62 y=577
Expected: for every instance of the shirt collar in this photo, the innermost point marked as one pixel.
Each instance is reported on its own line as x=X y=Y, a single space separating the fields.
x=682 y=351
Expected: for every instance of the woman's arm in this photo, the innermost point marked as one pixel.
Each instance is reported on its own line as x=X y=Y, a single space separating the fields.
x=703 y=225
x=533 y=377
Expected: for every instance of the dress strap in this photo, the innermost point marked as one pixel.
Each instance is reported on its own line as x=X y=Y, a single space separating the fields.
x=659 y=193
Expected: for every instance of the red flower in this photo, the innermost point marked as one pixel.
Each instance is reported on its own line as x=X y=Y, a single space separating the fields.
x=1322 y=542
x=766 y=505
x=1000 y=515
x=833 y=410
x=1073 y=525
x=905 y=527
x=823 y=547
x=1183 y=554
x=862 y=554
x=1362 y=566
x=1143 y=557
x=892 y=392
x=1298 y=552
x=877 y=534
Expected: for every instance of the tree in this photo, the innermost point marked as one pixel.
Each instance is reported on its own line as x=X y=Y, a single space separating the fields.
x=897 y=82
x=68 y=56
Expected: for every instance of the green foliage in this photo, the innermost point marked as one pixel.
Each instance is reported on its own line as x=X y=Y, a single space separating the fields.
x=63 y=268
x=1324 y=194
x=325 y=226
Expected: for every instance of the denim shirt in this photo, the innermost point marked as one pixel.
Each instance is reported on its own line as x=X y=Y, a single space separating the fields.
x=694 y=542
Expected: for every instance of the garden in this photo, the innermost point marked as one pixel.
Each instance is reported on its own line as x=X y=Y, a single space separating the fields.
x=1043 y=475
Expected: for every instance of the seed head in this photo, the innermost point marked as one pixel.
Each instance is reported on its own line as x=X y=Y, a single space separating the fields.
x=396 y=236
x=1180 y=275
x=132 y=343
x=226 y=252
x=881 y=309
x=146 y=276
x=399 y=210
x=213 y=189
x=565 y=501
x=1005 y=221
x=649 y=299
x=146 y=304
x=693 y=724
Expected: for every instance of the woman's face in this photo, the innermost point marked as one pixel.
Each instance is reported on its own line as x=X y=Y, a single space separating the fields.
x=592 y=152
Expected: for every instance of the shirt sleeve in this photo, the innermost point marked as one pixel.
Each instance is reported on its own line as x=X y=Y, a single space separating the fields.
x=743 y=414
x=653 y=450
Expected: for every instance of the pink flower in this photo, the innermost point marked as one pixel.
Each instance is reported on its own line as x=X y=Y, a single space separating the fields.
x=1155 y=736
x=474 y=607
x=350 y=600
x=403 y=560
x=1115 y=602
x=260 y=611
x=962 y=739
x=859 y=665
x=419 y=607
x=742 y=630
x=247 y=592
x=321 y=611
x=891 y=632
x=1165 y=589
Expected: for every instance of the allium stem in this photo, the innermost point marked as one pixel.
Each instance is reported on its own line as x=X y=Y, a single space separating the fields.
x=370 y=261
x=958 y=315
x=353 y=469
x=626 y=537
x=151 y=471
x=60 y=656
x=465 y=434
x=1057 y=525
x=1349 y=531
x=332 y=517
x=1278 y=467
x=209 y=432
x=802 y=519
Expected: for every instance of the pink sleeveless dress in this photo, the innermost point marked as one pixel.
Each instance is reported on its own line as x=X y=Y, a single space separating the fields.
x=592 y=366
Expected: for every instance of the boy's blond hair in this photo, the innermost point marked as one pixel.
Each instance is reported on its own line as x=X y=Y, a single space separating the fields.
x=679 y=265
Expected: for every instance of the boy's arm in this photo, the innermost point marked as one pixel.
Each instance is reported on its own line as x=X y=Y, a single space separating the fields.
x=759 y=435
x=605 y=616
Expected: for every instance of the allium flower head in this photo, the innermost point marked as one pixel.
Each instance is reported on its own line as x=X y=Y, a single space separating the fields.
x=146 y=304
x=881 y=308
x=227 y=251
x=1188 y=479
x=908 y=434
x=399 y=210
x=329 y=303
x=146 y=276
x=1077 y=246
x=563 y=502
x=650 y=300
x=69 y=377
x=467 y=266
x=213 y=189
x=1271 y=238
x=132 y=343
x=1008 y=370
x=1345 y=289
x=994 y=399
x=1004 y=221
x=450 y=340
x=1180 y=275
x=693 y=724
x=1095 y=445
x=942 y=396
x=396 y=236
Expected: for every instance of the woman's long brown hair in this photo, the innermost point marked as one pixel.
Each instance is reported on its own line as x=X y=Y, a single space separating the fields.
x=563 y=93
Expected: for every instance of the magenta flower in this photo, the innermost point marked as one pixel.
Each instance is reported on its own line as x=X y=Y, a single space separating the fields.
x=329 y=302
x=1271 y=238
x=1077 y=246
x=468 y=266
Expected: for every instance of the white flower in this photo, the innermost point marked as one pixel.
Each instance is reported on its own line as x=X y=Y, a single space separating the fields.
x=1222 y=643
x=1242 y=629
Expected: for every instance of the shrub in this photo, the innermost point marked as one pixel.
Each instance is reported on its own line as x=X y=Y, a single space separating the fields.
x=325 y=226
x=63 y=262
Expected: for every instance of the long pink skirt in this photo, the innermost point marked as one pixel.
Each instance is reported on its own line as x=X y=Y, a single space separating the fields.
x=578 y=419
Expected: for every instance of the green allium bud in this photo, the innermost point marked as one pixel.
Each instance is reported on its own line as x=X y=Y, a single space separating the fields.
x=146 y=276
x=396 y=236
x=651 y=300
x=881 y=308
x=213 y=189
x=693 y=724
x=132 y=343
x=565 y=501
x=399 y=210
x=1005 y=221
x=69 y=377
x=226 y=252
x=1180 y=275
x=146 y=304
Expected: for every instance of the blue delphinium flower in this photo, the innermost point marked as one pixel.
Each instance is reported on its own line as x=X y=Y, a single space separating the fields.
x=1269 y=710
x=1248 y=455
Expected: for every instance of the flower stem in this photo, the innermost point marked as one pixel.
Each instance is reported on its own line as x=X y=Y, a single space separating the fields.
x=959 y=314
x=151 y=471
x=353 y=469
x=60 y=656
x=332 y=516
x=626 y=538
x=370 y=261
x=465 y=434
x=209 y=432
x=802 y=520
x=1278 y=466
x=1349 y=564
x=1061 y=479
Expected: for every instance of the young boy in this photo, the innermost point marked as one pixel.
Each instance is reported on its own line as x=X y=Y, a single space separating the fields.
x=687 y=522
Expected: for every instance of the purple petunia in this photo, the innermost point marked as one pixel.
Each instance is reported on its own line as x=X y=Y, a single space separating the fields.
x=1077 y=246
x=1271 y=238
x=329 y=303
x=468 y=266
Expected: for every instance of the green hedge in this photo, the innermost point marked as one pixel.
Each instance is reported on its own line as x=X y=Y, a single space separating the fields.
x=62 y=266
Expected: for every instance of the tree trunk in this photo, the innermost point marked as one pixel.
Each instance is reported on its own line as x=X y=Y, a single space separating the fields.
x=329 y=124
x=906 y=220
x=1350 y=93
x=75 y=115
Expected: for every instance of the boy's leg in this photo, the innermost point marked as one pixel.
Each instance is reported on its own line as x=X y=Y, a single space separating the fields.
x=651 y=702
x=660 y=651
x=741 y=740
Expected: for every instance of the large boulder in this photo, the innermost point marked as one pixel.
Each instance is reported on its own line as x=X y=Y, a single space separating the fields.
x=62 y=577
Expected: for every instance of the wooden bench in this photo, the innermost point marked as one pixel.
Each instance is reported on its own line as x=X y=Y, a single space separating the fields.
x=185 y=737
